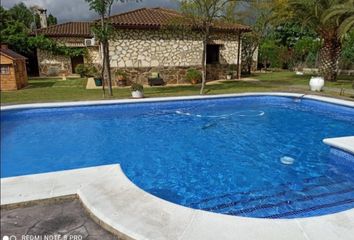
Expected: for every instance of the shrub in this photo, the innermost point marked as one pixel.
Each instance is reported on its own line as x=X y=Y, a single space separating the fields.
x=193 y=75
x=120 y=74
x=92 y=71
x=136 y=87
x=81 y=69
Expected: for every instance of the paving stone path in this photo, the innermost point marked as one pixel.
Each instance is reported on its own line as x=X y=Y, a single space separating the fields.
x=51 y=220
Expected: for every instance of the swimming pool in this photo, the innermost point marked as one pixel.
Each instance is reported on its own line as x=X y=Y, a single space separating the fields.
x=248 y=156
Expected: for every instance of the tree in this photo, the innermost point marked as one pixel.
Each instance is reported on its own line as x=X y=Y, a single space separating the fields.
x=305 y=51
x=15 y=31
x=260 y=15
x=347 y=58
x=271 y=54
x=312 y=13
x=21 y=13
x=104 y=31
x=203 y=13
x=51 y=20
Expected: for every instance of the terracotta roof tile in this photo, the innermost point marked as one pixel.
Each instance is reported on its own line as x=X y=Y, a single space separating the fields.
x=145 y=18
x=69 y=29
x=160 y=17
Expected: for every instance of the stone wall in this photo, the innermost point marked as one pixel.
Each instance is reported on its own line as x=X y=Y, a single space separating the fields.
x=165 y=48
x=229 y=46
x=93 y=56
x=171 y=53
x=55 y=65
x=174 y=75
x=140 y=52
x=153 y=48
x=171 y=75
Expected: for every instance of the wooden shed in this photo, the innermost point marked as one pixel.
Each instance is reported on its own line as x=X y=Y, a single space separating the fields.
x=13 y=73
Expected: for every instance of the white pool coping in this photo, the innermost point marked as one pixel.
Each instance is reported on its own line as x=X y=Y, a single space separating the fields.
x=112 y=198
x=343 y=143
x=164 y=99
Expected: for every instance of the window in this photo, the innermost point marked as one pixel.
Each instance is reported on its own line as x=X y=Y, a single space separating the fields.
x=5 y=69
x=213 y=53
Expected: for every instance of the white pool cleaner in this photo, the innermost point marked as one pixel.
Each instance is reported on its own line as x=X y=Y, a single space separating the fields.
x=287 y=160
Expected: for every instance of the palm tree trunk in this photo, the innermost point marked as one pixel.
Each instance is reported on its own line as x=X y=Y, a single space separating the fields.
x=329 y=56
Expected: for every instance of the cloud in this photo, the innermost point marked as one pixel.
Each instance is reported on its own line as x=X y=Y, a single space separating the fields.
x=78 y=10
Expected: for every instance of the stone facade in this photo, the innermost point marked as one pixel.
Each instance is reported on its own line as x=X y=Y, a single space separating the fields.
x=154 y=48
x=229 y=47
x=175 y=75
x=139 y=52
x=171 y=53
x=55 y=65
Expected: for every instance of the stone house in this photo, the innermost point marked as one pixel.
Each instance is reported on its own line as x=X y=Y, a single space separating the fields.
x=146 y=42
x=13 y=74
x=70 y=34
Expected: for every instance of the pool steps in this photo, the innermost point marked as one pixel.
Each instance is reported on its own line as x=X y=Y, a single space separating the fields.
x=251 y=202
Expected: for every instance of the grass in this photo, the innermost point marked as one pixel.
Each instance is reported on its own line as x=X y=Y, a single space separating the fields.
x=52 y=90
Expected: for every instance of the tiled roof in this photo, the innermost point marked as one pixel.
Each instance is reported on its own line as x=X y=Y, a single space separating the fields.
x=11 y=54
x=69 y=29
x=160 y=17
x=143 y=18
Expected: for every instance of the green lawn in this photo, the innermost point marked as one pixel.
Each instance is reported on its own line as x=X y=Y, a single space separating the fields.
x=51 y=90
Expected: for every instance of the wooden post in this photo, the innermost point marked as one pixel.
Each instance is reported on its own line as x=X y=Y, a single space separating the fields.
x=239 y=56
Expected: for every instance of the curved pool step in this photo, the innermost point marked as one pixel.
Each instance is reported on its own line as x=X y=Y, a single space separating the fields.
x=275 y=201
x=257 y=191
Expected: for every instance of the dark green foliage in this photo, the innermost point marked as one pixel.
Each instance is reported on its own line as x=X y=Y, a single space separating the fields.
x=120 y=73
x=289 y=33
x=347 y=57
x=16 y=24
x=271 y=54
x=305 y=52
x=51 y=20
x=21 y=13
x=193 y=75
x=87 y=71
x=48 y=44
x=136 y=87
x=81 y=69
x=15 y=34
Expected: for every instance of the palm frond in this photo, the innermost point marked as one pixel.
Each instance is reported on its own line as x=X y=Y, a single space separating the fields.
x=346 y=26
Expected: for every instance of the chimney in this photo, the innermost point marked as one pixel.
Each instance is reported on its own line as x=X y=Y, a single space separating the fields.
x=42 y=17
x=4 y=46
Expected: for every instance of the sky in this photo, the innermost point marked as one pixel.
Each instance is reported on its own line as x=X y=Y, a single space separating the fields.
x=78 y=10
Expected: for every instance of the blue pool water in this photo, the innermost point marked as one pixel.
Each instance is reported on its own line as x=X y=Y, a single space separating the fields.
x=248 y=156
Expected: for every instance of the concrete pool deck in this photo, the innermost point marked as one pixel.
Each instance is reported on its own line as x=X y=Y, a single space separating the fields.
x=65 y=218
x=131 y=213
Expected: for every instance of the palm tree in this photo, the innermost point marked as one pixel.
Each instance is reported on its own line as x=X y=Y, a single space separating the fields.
x=344 y=11
x=314 y=14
